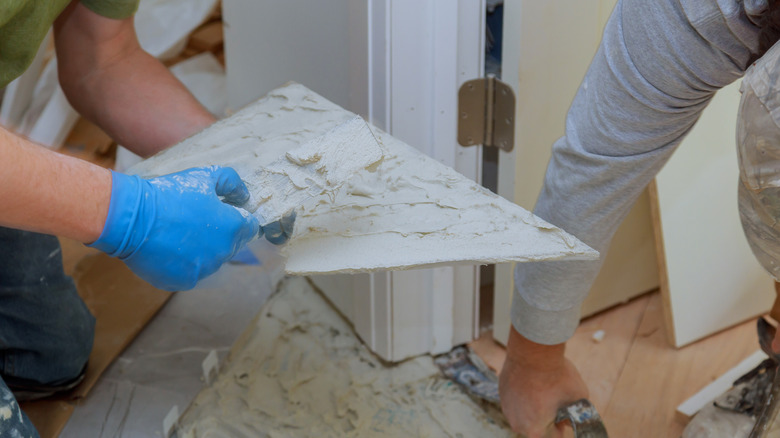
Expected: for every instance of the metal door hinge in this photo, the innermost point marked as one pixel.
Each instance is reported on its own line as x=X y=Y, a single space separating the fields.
x=486 y=113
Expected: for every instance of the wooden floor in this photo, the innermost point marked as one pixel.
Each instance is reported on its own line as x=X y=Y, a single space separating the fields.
x=636 y=379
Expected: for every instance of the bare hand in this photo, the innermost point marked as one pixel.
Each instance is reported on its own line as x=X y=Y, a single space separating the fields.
x=537 y=380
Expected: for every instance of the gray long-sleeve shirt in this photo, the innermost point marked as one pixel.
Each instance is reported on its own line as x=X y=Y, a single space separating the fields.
x=658 y=66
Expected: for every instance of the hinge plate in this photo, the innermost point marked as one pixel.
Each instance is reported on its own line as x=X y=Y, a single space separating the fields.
x=486 y=113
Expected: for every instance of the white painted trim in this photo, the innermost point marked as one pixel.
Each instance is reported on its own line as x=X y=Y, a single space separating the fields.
x=468 y=161
x=425 y=72
x=442 y=308
x=379 y=305
x=379 y=63
x=709 y=393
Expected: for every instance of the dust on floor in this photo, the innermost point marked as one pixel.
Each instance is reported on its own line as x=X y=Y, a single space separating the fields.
x=299 y=370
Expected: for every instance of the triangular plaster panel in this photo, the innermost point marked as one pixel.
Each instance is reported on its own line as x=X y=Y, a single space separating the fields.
x=411 y=212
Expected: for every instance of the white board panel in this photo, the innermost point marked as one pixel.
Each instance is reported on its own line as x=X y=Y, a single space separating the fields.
x=714 y=280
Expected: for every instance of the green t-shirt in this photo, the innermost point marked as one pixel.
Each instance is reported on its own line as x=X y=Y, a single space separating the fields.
x=24 y=23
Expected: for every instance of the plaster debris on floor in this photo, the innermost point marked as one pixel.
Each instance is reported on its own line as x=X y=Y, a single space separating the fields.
x=733 y=414
x=413 y=211
x=300 y=371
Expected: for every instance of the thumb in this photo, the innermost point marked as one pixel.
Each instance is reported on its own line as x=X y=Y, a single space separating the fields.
x=250 y=229
x=229 y=185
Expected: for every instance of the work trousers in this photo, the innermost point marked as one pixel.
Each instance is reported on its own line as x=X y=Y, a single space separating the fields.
x=46 y=330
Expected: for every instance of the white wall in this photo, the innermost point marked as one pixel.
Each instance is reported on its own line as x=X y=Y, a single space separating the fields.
x=321 y=44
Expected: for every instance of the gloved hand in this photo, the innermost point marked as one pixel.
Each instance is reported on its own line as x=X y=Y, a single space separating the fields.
x=174 y=230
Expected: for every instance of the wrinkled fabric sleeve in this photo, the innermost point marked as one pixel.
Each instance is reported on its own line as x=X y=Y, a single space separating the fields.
x=116 y=9
x=657 y=68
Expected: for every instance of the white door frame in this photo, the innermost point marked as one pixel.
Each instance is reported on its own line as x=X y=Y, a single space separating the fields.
x=419 y=54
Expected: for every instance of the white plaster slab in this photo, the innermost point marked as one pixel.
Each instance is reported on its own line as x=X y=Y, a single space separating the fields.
x=412 y=211
x=318 y=167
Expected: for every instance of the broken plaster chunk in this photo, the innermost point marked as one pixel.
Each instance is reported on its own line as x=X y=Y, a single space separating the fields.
x=299 y=370
x=598 y=335
x=210 y=366
x=171 y=421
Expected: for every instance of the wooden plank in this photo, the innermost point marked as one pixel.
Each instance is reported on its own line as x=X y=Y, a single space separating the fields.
x=207 y=38
x=48 y=416
x=656 y=377
x=88 y=138
x=663 y=273
x=601 y=363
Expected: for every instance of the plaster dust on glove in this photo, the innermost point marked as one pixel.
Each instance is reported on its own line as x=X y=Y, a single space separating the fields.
x=411 y=211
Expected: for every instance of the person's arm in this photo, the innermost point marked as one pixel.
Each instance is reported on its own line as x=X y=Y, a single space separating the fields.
x=171 y=231
x=535 y=381
x=658 y=66
x=113 y=82
x=43 y=191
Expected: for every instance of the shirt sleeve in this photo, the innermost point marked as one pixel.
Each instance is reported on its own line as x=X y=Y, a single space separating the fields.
x=657 y=68
x=116 y=9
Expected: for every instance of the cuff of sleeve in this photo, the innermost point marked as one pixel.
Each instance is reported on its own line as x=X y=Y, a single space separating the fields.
x=122 y=212
x=114 y=9
x=548 y=327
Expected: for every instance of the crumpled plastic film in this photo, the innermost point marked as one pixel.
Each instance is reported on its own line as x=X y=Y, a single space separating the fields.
x=758 y=150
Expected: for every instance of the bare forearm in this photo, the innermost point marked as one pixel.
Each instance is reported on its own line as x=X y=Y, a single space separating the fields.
x=150 y=109
x=47 y=192
x=121 y=88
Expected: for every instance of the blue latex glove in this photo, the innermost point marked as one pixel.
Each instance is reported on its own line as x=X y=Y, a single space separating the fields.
x=175 y=230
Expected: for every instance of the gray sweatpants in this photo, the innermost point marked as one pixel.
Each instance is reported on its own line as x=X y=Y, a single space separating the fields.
x=659 y=64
